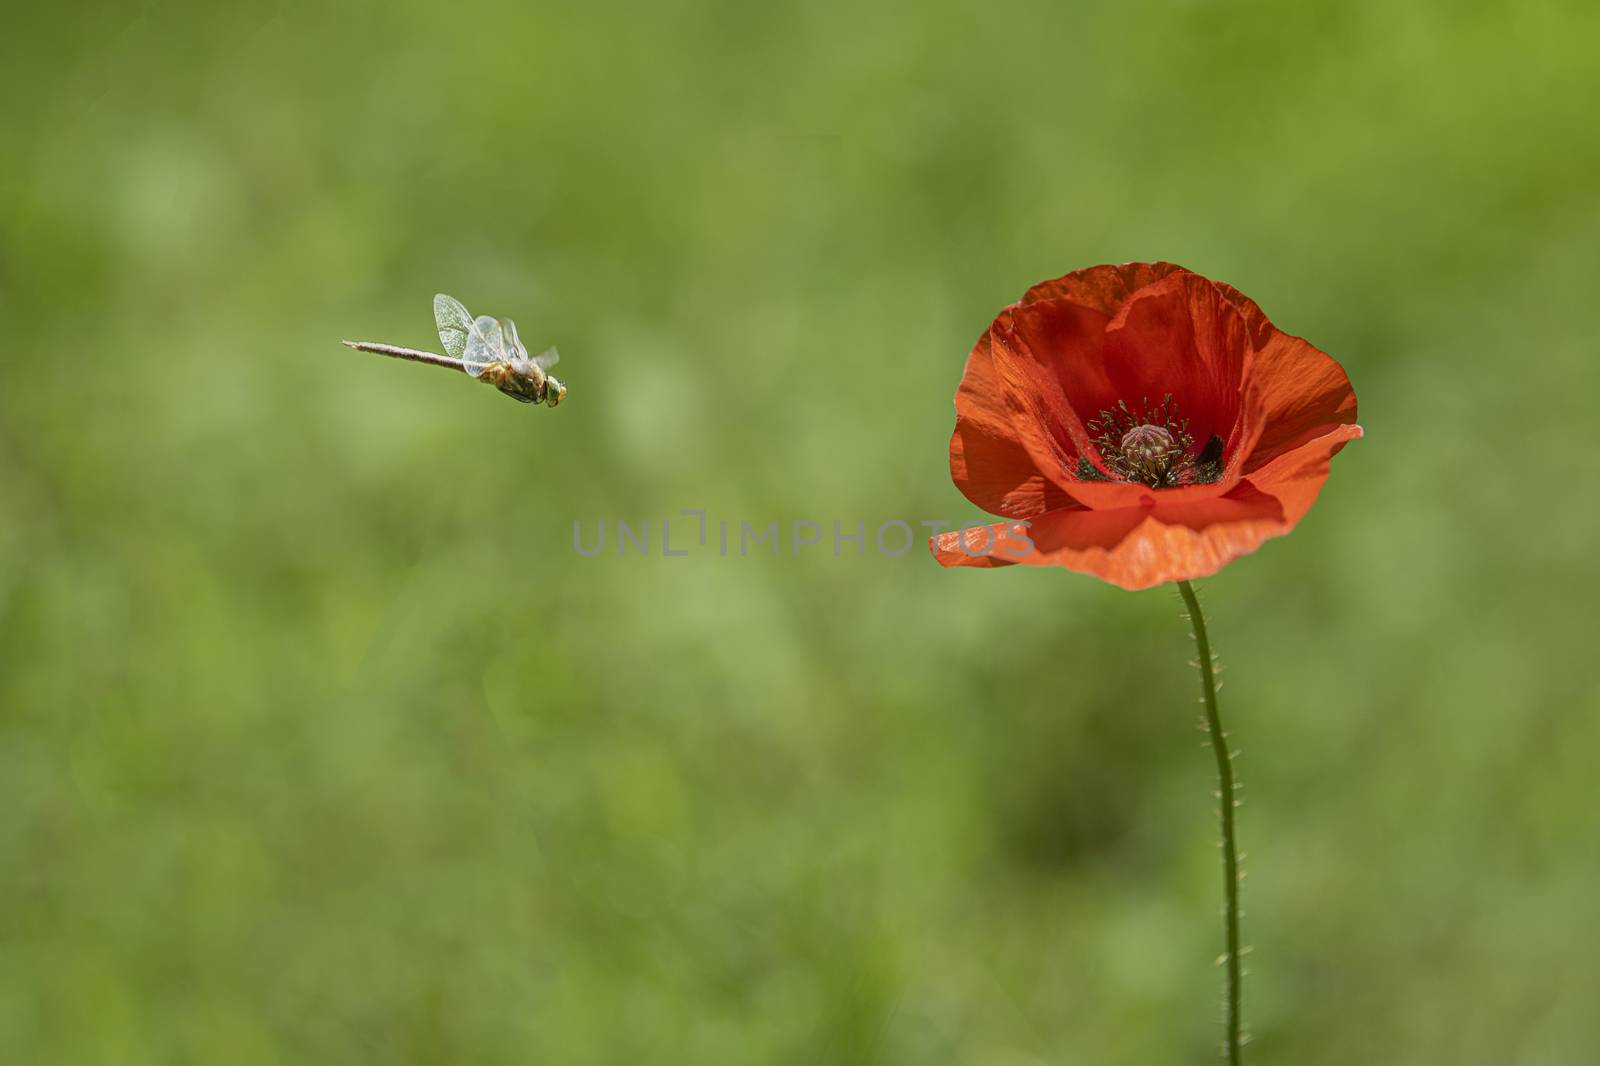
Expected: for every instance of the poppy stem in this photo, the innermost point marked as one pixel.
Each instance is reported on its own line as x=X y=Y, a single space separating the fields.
x=1226 y=795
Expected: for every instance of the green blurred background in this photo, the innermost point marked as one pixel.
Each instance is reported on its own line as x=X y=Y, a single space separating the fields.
x=319 y=743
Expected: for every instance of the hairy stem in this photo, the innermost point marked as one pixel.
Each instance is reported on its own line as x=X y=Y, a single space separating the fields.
x=1230 y=849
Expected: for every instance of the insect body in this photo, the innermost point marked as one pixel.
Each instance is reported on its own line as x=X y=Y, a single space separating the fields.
x=491 y=351
x=485 y=348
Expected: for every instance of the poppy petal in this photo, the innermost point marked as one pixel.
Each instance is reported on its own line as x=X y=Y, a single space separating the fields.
x=1134 y=547
x=1300 y=388
x=1104 y=288
x=1295 y=477
x=1052 y=356
x=991 y=545
x=1061 y=363
x=988 y=461
x=1116 y=495
x=1182 y=336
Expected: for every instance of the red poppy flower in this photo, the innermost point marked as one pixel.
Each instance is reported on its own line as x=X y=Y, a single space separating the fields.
x=1140 y=423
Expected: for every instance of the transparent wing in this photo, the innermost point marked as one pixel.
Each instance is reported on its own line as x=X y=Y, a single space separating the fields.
x=455 y=325
x=547 y=359
x=514 y=346
x=485 y=344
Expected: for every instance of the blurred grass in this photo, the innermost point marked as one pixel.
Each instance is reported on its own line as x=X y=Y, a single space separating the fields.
x=318 y=743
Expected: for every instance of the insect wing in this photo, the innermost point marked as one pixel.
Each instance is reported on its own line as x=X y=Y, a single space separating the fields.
x=514 y=346
x=485 y=344
x=455 y=325
x=547 y=359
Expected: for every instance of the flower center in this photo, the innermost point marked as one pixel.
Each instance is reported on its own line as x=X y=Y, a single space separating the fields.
x=1154 y=448
x=1150 y=450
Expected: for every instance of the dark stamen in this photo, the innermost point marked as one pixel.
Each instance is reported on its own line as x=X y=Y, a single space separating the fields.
x=1153 y=449
x=1208 y=465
